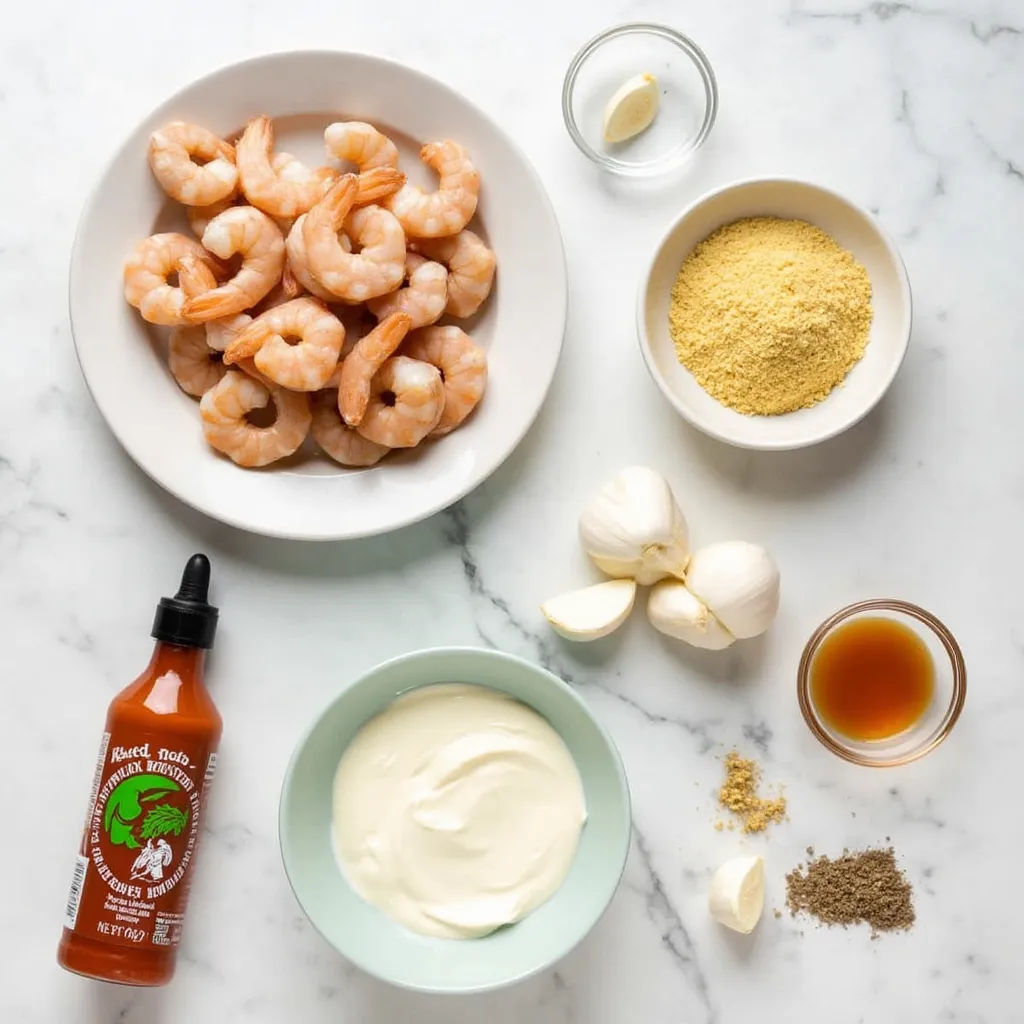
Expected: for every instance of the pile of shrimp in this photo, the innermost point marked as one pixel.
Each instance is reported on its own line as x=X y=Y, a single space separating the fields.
x=311 y=297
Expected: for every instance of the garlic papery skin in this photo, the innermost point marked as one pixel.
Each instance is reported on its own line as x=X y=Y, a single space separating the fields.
x=592 y=612
x=736 y=896
x=674 y=611
x=739 y=582
x=635 y=529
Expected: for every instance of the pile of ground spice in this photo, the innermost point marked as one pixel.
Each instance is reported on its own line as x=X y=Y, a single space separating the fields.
x=770 y=315
x=859 y=887
x=739 y=795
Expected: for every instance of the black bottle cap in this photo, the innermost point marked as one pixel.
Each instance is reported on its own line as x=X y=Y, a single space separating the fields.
x=188 y=619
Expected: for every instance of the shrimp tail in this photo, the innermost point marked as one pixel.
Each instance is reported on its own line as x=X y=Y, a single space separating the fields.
x=290 y=287
x=259 y=133
x=334 y=207
x=363 y=362
x=213 y=305
x=248 y=342
x=377 y=184
x=195 y=276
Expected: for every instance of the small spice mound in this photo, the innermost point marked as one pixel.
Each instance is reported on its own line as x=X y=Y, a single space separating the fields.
x=770 y=315
x=739 y=795
x=856 y=887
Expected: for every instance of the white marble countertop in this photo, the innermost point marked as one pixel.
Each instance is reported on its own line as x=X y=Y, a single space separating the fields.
x=911 y=109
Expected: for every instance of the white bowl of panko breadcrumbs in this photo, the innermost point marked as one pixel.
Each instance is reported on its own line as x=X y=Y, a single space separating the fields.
x=774 y=313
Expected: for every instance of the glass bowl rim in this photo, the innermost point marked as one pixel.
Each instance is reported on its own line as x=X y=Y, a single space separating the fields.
x=929 y=621
x=700 y=62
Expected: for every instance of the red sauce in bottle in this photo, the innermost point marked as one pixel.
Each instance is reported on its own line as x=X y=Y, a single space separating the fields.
x=157 y=759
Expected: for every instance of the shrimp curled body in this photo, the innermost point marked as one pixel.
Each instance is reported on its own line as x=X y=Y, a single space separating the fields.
x=379 y=266
x=306 y=366
x=193 y=364
x=448 y=210
x=279 y=184
x=360 y=143
x=463 y=367
x=423 y=298
x=341 y=442
x=406 y=403
x=372 y=186
x=252 y=234
x=146 y=274
x=172 y=150
x=224 y=408
x=471 y=267
x=365 y=359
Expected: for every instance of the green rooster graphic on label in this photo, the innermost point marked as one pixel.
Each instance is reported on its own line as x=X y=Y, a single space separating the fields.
x=125 y=807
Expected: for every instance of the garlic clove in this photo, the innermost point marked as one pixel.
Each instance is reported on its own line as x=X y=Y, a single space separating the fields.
x=592 y=612
x=634 y=528
x=631 y=109
x=739 y=582
x=736 y=896
x=674 y=611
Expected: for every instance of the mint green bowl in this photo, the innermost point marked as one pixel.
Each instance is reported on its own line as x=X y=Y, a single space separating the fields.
x=369 y=938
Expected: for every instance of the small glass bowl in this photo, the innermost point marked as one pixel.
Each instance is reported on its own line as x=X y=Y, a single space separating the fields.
x=933 y=726
x=689 y=98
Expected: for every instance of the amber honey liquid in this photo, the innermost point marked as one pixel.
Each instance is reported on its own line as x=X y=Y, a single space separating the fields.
x=872 y=678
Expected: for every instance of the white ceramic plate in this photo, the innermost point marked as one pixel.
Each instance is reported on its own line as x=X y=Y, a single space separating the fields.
x=855 y=230
x=307 y=497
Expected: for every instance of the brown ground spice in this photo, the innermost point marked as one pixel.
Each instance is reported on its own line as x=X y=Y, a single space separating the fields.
x=739 y=795
x=770 y=314
x=859 y=887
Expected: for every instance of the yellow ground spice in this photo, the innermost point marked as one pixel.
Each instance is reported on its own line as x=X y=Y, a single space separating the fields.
x=769 y=315
x=739 y=795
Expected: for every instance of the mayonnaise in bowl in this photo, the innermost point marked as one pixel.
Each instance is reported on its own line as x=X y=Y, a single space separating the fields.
x=456 y=810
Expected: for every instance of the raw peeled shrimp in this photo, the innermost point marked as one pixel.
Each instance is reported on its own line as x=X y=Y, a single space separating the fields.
x=360 y=365
x=463 y=367
x=379 y=266
x=192 y=362
x=305 y=366
x=448 y=210
x=280 y=186
x=361 y=144
x=423 y=298
x=406 y=403
x=146 y=272
x=224 y=409
x=342 y=443
x=470 y=266
x=171 y=152
x=373 y=186
x=252 y=234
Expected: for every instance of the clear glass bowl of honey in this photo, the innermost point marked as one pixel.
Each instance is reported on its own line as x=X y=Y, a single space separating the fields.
x=881 y=683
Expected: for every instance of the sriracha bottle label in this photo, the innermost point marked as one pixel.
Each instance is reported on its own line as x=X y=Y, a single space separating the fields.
x=131 y=878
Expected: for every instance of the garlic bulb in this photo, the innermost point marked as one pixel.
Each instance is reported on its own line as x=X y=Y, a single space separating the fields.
x=635 y=529
x=739 y=583
x=674 y=611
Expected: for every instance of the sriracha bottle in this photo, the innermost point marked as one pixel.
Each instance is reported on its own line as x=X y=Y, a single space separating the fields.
x=157 y=758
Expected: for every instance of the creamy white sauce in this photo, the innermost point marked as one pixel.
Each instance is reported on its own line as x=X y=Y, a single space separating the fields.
x=457 y=810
